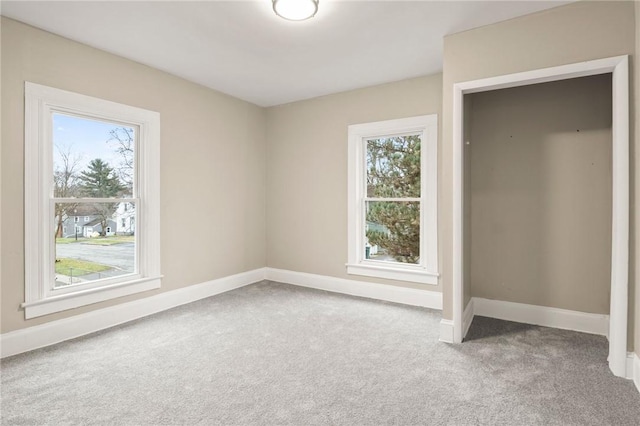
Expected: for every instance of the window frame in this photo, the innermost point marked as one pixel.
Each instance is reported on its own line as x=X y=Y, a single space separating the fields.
x=426 y=271
x=41 y=102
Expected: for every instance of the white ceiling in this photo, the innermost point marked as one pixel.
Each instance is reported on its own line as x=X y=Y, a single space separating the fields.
x=243 y=49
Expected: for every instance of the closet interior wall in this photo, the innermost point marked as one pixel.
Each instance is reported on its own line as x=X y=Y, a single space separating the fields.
x=538 y=182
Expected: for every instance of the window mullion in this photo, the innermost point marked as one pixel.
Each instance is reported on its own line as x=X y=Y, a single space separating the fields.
x=412 y=199
x=95 y=200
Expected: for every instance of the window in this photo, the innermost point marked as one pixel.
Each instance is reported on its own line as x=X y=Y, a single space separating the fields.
x=393 y=199
x=86 y=157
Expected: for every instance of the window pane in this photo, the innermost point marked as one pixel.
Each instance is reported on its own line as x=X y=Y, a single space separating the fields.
x=92 y=158
x=102 y=247
x=393 y=231
x=393 y=167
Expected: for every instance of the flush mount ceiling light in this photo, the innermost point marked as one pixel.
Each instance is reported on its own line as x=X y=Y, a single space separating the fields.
x=295 y=10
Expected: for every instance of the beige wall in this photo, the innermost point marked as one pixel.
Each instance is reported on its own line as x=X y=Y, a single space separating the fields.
x=540 y=186
x=572 y=33
x=307 y=171
x=219 y=139
x=212 y=162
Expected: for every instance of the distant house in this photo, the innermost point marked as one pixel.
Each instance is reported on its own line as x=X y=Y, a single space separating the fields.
x=95 y=226
x=373 y=249
x=83 y=222
x=125 y=217
x=72 y=223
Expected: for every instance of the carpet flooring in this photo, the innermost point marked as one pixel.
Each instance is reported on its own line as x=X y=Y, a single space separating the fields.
x=272 y=354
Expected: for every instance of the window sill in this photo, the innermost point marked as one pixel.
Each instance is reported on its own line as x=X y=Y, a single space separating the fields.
x=390 y=273
x=86 y=297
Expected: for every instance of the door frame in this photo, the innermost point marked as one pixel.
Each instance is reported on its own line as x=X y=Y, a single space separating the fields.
x=619 y=68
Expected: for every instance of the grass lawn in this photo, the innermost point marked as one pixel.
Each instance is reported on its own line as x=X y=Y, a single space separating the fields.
x=98 y=241
x=68 y=240
x=77 y=268
x=109 y=241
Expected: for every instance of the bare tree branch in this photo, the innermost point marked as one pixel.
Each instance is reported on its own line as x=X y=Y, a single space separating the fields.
x=123 y=138
x=65 y=181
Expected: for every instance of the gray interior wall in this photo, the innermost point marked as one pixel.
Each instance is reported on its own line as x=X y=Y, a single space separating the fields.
x=541 y=194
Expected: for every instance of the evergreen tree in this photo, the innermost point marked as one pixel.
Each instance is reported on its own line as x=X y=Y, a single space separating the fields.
x=393 y=171
x=101 y=181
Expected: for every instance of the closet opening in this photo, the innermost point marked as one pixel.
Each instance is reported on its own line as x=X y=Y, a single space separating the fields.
x=541 y=197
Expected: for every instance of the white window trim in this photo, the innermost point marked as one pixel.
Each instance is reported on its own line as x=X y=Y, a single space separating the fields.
x=427 y=271
x=40 y=103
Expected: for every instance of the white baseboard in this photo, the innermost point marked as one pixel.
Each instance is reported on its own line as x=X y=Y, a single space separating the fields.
x=531 y=314
x=446 y=331
x=38 y=336
x=467 y=317
x=53 y=332
x=634 y=371
x=390 y=293
x=629 y=366
x=542 y=315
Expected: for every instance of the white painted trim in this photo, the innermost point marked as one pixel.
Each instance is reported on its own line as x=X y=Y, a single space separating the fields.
x=458 y=214
x=620 y=219
x=38 y=336
x=446 y=331
x=629 y=368
x=543 y=75
x=41 y=102
x=618 y=66
x=427 y=271
x=467 y=317
x=416 y=276
x=93 y=295
x=542 y=315
x=635 y=371
x=390 y=293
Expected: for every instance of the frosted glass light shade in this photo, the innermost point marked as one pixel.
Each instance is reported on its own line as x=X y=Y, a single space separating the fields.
x=295 y=10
